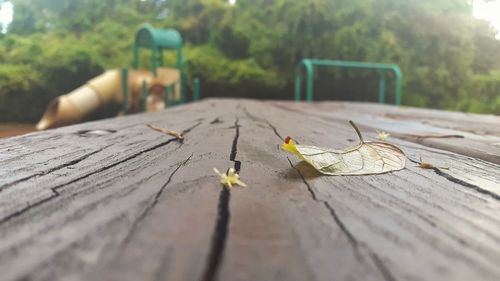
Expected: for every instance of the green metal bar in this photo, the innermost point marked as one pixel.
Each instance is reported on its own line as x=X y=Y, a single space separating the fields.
x=135 y=60
x=144 y=95
x=309 y=83
x=158 y=41
x=180 y=66
x=173 y=92
x=381 y=89
x=160 y=57
x=154 y=61
x=125 y=89
x=166 y=95
x=309 y=63
x=196 y=86
x=399 y=84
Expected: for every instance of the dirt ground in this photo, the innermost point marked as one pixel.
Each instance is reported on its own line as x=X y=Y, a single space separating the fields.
x=10 y=129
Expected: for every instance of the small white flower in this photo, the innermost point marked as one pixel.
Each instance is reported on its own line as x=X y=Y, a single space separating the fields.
x=229 y=179
x=381 y=135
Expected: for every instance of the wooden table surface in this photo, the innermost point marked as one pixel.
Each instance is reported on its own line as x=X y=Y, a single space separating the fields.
x=116 y=200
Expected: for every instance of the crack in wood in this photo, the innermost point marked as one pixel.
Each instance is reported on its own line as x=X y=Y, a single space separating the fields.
x=470 y=149
x=56 y=188
x=275 y=130
x=148 y=209
x=28 y=207
x=436 y=224
x=381 y=267
x=460 y=182
x=219 y=237
x=53 y=169
x=254 y=118
x=234 y=148
x=355 y=244
x=191 y=128
x=216 y=121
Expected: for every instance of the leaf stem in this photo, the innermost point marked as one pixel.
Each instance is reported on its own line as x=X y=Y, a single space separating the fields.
x=357 y=131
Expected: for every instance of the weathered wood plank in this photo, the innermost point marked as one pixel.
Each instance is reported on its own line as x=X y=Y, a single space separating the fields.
x=116 y=197
x=277 y=230
x=144 y=207
x=73 y=158
x=476 y=135
x=415 y=214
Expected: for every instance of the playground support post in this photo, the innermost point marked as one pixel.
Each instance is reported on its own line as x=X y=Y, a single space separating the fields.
x=381 y=89
x=309 y=63
x=124 y=71
x=144 y=95
x=196 y=86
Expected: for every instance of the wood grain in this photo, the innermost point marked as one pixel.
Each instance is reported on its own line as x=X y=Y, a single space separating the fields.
x=116 y=200
x=468 y=134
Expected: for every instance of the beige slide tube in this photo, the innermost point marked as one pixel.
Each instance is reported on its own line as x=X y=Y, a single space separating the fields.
x=105 y=89
x=75 y=106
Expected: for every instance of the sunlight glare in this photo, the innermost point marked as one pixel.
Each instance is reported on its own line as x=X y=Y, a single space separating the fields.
x=6 y=12
x=488 y=10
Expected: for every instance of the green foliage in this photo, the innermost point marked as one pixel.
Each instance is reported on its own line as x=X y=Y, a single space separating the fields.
x=487 y=48
x=482 y=94
x=224 y=77
x=46 y=66
x=21 y=96
x=449 y=59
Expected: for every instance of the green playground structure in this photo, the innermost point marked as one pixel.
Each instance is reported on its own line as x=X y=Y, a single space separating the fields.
x=164 y=85
x=135 y=89
x=158 y=41
x=382 y=68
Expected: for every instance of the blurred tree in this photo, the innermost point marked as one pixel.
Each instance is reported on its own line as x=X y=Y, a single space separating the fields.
x=450 y=60
x=486 y=46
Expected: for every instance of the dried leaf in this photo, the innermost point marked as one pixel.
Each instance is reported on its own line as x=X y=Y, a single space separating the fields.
x=229 y=178
x=174 y=134
x=363 y=159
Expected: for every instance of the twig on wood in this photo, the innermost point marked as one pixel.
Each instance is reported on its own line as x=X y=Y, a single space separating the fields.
x=174 y=134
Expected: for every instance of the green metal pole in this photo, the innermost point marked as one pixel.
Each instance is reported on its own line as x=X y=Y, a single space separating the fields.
x=166 y=95
x=309 y=63
x=154 y=61
x=144 y=95
x=399 y=86
x=125 y=89
x=381 y=89
x=180 y=66
x=309 y=83
x=135 y=61
x=173 y=91
x=196 y=86
x=160 y=57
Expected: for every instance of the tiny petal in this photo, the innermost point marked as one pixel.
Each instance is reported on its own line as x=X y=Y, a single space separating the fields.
x=381 y=135
x=241 y=183
x=229 y=179
x=289 y=145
